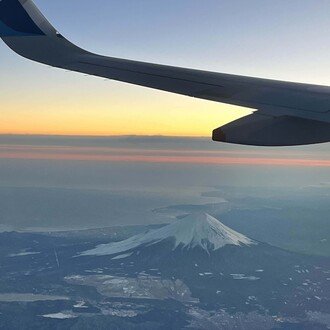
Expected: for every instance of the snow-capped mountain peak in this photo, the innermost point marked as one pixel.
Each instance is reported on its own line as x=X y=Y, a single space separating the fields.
x=196 y=230
x=201 y=229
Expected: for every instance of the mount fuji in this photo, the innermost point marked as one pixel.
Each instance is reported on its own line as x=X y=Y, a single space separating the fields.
x=210 y=262
x=196 y=231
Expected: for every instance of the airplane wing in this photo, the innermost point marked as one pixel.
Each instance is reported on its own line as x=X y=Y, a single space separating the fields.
x=285 y=113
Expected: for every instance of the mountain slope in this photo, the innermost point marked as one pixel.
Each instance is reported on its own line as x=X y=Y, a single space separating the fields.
x=197 y=230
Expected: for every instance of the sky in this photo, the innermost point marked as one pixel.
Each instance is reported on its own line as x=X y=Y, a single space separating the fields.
x=281 y=39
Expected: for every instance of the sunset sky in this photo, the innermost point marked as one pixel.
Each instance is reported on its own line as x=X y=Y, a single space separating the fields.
x=272 y=39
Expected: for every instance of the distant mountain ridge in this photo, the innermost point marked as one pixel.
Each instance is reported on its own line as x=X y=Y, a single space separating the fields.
x=198 y=230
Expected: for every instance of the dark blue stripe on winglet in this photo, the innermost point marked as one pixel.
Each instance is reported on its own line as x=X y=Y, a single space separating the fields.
x=15 y=21
x=5 y=31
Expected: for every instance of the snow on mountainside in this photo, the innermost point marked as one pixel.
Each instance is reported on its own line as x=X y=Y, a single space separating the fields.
x=196 y=230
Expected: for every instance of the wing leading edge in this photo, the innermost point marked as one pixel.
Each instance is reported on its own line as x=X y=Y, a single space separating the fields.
x=286 y=113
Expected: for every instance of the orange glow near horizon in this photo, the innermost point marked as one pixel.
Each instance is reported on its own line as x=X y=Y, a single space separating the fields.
x=191 y=122
x=96 y=109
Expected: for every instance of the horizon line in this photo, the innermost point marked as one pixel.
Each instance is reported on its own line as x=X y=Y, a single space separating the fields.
x=105 y=136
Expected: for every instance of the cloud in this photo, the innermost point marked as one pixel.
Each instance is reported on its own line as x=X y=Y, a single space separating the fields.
x=165 y=156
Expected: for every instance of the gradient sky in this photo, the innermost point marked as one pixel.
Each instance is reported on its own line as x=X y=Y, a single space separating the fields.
x=281 y=39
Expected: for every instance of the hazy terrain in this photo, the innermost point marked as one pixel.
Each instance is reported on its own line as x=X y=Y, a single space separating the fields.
x=214 y=278
x=61 y=196
x=43 y=188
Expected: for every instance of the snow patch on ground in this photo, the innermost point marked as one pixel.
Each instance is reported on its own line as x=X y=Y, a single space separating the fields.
x=60 y=316
x=80 y=304
x=244 y=277
x=28 y=297
x=22 y=254
x=122 y=256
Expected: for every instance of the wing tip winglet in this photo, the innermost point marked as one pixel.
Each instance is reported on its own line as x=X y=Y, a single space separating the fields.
x=15 y=20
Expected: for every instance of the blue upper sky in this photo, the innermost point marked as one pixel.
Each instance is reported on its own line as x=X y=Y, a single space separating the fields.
x=287 y=40
x=280 y=39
